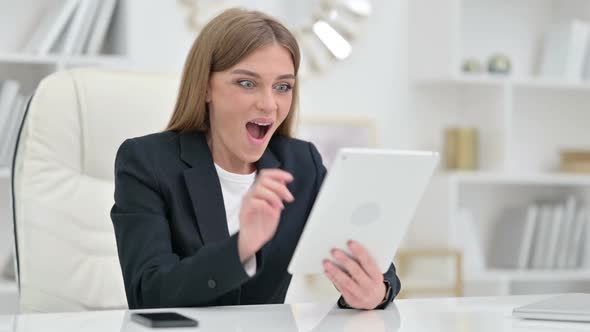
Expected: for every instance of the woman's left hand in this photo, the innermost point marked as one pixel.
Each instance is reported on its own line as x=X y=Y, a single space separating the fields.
x=362 y=285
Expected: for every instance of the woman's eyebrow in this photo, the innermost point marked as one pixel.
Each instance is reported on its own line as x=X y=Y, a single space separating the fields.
x=286 y=77
x=253 y=74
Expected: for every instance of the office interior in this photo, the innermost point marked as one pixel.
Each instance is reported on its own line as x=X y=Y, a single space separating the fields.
x=499 y=88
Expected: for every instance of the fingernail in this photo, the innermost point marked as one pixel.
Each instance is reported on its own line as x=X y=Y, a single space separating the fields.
x=333 y=252
x=349 y=243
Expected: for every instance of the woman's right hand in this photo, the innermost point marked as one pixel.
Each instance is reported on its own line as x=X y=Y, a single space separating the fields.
x=261 y=210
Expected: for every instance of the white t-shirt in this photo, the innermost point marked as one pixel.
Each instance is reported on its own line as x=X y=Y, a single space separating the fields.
x=234 y=187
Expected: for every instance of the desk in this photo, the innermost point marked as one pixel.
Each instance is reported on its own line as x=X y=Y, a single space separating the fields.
x=491 y=314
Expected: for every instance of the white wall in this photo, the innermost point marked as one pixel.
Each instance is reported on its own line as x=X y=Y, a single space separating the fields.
x=155 y=36
x=152 y=34
x=372 y=82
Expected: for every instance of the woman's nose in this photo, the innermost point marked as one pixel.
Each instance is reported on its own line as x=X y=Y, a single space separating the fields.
x=267 y=102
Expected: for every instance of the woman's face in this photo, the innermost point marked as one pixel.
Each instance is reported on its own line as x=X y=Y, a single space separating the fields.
x=247 y=103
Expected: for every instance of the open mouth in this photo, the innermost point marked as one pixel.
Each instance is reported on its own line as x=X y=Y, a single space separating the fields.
x=258 y=129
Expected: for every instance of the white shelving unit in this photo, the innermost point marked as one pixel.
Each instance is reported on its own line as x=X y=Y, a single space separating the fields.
x=29 y=70
x=551 y=179
x=511 y=275
x=503 y=82
x=522 y=122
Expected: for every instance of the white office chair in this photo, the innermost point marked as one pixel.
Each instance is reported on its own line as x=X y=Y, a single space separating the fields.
x=63 y=183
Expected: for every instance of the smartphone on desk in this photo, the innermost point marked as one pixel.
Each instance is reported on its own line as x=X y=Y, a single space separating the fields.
x=163 y=319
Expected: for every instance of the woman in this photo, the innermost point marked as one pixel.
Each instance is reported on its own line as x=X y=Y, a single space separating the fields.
x=209 y=211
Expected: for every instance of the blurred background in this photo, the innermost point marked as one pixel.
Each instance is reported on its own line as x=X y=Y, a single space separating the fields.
x=499 y=87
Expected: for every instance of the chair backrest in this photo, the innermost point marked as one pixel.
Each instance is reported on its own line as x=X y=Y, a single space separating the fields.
x=63 y=183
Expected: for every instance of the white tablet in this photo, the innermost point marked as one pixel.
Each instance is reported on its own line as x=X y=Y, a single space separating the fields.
x=369 y=196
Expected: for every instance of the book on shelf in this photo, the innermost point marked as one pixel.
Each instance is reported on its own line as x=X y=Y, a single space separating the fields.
x=555 y=230
x=565 y=51
x=584 y=258
x=9 y=91
x=72 y=27
x=507 y=239
x=546 y=234
x=50 y=28
x=13 y=124
x=79 y=28
x=11 y=114
x=570 y=225
x=528 y=237
x=542 y=235
x=101 y=26
x=554 y=242
x=567 y=233
x=576 y=248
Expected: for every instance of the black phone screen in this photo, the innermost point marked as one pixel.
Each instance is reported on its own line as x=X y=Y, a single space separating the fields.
x=163 y=319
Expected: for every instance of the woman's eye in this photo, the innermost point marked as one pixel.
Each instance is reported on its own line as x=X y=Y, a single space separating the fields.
x=283 y=87
x=246 y=84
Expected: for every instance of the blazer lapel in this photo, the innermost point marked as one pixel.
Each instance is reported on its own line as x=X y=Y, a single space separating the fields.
x=203 y=187
x=203 y=184
x=268 y=160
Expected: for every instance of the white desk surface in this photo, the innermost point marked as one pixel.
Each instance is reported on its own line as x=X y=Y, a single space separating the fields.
x=483 y=314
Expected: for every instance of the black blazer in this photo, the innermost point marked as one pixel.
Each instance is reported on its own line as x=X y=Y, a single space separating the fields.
x=171 y=228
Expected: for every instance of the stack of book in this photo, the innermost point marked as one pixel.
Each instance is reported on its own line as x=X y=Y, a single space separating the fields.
x=72 y=27
x=566 y=54
x=575 y=161
x=550 y=234
x=12 y=109
x=461 y=148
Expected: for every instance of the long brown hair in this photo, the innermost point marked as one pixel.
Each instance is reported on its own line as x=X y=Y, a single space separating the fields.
x=223 y=42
